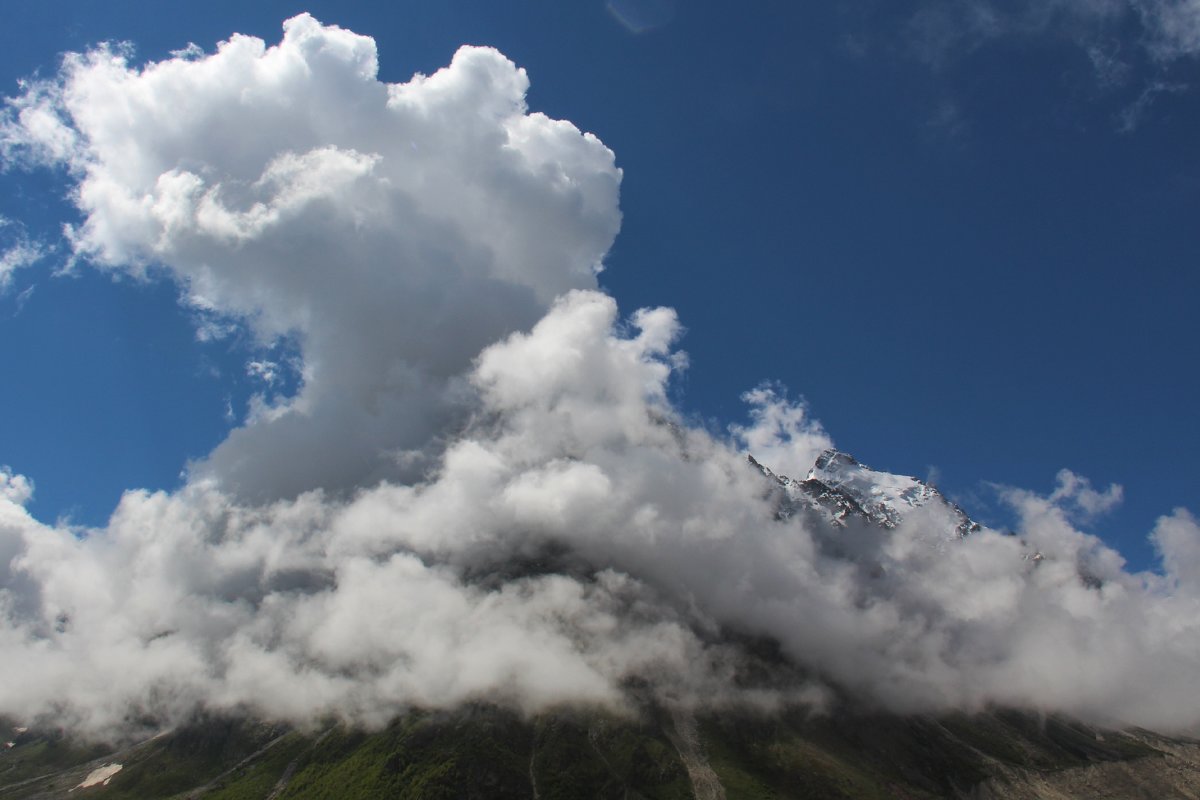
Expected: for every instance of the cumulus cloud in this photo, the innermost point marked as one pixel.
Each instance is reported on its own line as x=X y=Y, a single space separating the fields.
x=408 y=594
x=493 y=496
x=14 y=488
x=392 y=229
x=781 y=433
x=1177 y=538
x=575 y=536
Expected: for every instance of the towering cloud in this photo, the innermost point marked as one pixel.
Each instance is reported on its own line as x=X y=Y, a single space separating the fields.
x=482 y=489
x=393 y=229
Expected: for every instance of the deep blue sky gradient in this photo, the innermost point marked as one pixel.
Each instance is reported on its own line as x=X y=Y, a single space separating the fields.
x=963 y=266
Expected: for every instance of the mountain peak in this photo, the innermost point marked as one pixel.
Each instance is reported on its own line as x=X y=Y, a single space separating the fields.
x=839 y=488
x=833 y=459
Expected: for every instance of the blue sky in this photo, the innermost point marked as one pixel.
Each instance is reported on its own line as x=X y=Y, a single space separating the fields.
x=970 y=245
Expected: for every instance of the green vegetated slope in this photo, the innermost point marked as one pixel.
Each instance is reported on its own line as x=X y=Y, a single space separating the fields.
x=50 y=765
x=890 y=757
x=484 y=752
x=34 y=754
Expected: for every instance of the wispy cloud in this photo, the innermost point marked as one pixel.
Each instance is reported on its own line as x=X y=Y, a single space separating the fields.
x=20 y=251
x=1172 y=27
x=1132 y=115
x=1076 y=493
x=24 y=296
x=1163 y=32
x=1169 y=29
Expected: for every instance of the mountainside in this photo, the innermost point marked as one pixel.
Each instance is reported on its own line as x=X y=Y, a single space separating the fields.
x=484 y=752
x=656 y=749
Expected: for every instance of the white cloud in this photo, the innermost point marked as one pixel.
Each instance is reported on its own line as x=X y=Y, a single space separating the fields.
x=32 y=130
x=1167 y=30
x=20 y=251
x=1075 y=493
x=23 y=297
x=549 y=526
x=1132 y=115
x=393 y=229
x=1177 y=539
x=15 y=488
x=1173 y=27
x=263 y=370
x=574 y=535
x=1135 y=47
x=781 y=433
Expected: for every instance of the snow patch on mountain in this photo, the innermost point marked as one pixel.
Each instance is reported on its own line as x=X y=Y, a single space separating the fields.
x=839 y=489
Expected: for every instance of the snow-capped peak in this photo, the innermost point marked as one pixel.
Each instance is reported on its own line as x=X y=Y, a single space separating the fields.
x=883 y=495
x=839 y=488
